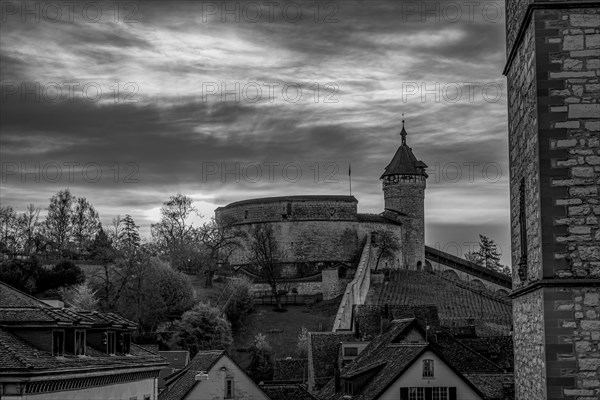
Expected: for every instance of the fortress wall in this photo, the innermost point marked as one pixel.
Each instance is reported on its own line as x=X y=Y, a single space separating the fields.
x=312 y=241
x=467 y=278
x=296 y=210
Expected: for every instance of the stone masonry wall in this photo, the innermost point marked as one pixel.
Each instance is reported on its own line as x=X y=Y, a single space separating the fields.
x=528 y=336
x=409 y=198
x=554 y=129
x=523 y=155
x=257 y=211
x=572 y=336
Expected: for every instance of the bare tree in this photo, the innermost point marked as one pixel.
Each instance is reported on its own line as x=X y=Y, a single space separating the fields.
x=265 y=255
x=86 y=223
x=174 y=234
x=58 y=223
x=29 y=226
x=388 y=246
x=218 y=239
x=9 y=235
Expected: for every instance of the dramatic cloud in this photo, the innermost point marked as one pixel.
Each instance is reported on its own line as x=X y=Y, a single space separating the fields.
x=232 y=100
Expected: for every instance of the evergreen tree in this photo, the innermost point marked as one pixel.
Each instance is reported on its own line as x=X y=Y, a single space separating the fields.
x=129 y=238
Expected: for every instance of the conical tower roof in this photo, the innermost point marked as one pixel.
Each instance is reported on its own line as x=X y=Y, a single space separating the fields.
x=404 y=161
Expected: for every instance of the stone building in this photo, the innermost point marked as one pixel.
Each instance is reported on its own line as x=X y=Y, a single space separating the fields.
x=329 y=229
x=553 y=70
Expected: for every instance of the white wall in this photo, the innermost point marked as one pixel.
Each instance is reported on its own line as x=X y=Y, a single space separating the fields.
x=119 y=391
x=214 y=387
x=443 y=376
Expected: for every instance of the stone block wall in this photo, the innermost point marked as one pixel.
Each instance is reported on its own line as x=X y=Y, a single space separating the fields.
x=263 y=210
x=553 y=73
x=408 y=197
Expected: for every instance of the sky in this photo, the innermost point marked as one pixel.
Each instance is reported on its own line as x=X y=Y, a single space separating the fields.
x=128 y=103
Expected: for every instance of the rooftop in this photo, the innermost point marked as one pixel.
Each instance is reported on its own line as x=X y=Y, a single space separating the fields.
x=404 y=161
x=282 y=199
x=181 y=382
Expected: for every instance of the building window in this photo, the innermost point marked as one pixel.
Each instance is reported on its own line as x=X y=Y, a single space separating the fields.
x=416 y=393
x=229 y=391
x=79 y=343
x=146 y=397
x=348 y=387
x=350 y=351
x=125 y=342
x=111 y=343
x=58 y=343
x=440 y=393
x=427 y=368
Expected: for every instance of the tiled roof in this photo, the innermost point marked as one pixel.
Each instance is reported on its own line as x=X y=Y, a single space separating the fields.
x=464 y=358
x=493 y=386
x=13 y=298
x=404 y=162
x=18 y=308
x=181 y=382
x=369 y=316
x=345 y=199
x=290 y=369
x=385 y=360
x=324 y=347
x=287 y=392
x=467 y=266
x=19 y=355
x=455 y=303
x=177 y=358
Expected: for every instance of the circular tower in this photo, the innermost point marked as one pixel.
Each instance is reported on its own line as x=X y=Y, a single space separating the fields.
x=404 y=182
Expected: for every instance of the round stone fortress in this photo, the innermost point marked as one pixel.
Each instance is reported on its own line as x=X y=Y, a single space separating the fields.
x=322 y=230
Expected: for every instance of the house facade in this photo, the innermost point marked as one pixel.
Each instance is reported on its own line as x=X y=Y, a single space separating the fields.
x=211 y=375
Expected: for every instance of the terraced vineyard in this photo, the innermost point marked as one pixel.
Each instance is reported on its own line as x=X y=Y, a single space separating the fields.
x=456 y=303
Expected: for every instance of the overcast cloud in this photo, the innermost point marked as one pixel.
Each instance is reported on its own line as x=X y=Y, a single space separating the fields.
x=137 y=96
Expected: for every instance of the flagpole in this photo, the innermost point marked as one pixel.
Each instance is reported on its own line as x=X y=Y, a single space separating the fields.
x=350 y=178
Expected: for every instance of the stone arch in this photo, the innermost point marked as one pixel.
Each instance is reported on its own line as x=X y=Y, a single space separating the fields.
x=502 y=292
x=477 y=284
x=450 y=274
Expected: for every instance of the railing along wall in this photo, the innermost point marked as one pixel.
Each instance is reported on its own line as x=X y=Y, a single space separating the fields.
x=356 y=291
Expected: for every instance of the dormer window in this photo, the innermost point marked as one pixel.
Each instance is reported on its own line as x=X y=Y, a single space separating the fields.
x=110 y=340
x=79 y=343
x=58 y=343
x=427 y=368
x=125 y=342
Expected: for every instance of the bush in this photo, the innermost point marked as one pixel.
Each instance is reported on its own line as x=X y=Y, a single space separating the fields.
x=242 y=302
x=261 y=366
x=202 y=328
x=21 y=274
x=64 y=273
